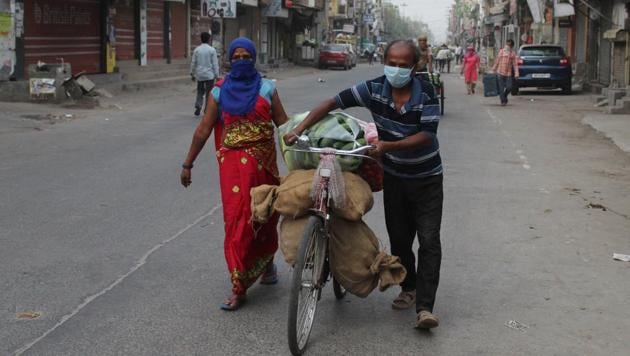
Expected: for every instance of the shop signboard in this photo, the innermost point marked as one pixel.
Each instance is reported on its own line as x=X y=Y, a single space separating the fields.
x=219 y=8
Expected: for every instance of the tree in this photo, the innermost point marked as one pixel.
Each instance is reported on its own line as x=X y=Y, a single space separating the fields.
x=403 y=27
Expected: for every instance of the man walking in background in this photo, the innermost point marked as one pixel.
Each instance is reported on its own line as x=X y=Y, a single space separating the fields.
x=504 y=65
x=459 y=54
x=204 y=68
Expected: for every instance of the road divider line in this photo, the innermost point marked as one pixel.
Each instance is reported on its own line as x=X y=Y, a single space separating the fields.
x=141 y=262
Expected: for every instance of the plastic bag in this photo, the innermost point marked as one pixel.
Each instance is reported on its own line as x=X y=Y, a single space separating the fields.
x=337 y=130
x=369 y=169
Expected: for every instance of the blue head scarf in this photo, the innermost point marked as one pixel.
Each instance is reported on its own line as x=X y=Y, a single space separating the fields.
x=241 y=88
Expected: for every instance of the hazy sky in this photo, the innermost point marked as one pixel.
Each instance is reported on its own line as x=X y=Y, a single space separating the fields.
x=432 y=12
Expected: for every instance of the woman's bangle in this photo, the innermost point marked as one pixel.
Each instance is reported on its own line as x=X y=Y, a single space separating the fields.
x=187 y=166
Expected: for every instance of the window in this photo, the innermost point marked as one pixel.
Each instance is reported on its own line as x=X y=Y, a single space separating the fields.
x=542 y=52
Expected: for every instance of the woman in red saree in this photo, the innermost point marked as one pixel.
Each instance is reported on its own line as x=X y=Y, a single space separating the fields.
x=242 y=111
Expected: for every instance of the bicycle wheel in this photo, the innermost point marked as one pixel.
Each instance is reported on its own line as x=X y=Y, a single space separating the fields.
x=340 y=292
x=305 y=288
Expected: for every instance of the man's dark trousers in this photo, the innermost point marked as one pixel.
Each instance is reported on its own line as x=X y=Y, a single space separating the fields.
x=414 y=207
x=505 y=87
x=203 y=89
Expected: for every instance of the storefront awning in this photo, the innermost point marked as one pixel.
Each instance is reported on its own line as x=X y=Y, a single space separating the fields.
x=612 y=33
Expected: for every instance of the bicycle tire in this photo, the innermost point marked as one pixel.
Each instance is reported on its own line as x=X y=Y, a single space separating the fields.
x=302 y=307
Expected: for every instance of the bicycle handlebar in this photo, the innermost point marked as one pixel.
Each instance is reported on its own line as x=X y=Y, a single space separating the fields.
x=303 y=146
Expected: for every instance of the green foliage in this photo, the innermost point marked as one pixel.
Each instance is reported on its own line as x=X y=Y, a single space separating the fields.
x=403 y=27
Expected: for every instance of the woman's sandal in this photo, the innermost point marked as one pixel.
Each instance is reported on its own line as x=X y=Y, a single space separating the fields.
x=233 y=302
x=270 y=276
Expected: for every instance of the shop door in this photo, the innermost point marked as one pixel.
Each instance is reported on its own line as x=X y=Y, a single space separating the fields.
x=155 y=29
x=68 y=30
x=178 y=30
x=125 y=24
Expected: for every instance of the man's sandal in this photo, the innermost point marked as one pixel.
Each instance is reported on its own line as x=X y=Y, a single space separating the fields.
x=405 y=300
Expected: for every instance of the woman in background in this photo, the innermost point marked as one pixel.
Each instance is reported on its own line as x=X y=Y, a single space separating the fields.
x=470 y=68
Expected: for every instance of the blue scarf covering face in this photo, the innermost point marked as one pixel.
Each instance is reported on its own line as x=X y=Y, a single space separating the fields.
x=240 y=90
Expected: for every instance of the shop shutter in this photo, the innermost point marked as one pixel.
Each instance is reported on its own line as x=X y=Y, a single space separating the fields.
x=68 y=30
x=178 y=30
x=199 y=24
x=125 y=24
x=619 y=64
x=155 y=29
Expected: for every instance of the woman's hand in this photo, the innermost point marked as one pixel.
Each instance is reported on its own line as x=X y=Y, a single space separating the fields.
x=185 y=177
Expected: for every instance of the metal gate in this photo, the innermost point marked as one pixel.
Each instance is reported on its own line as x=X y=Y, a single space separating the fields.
x=63 y=30
x=155 y=29
x=178 y=30
x=125 y=24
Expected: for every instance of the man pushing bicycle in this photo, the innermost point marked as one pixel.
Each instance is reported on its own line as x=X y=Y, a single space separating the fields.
x=406 y=113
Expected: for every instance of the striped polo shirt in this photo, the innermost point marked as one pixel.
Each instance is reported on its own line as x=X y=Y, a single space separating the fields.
x=420 y=114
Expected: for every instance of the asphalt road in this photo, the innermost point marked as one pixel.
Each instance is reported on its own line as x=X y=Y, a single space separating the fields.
x=98 y=236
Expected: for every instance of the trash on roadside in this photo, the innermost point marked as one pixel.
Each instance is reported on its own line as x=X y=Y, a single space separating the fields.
x=516 y=325
x=84 y=83
x=321 y=80
x=621 y=257
x=68 y=116
x=28 y=315
x=532 y=100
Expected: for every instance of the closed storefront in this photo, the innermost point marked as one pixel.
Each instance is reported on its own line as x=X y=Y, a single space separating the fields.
x=155 y=29
x=198 y=24
x=125 y=25
x=178 y=29
x=68 y=30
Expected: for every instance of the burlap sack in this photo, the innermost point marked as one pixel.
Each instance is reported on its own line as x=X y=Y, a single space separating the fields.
x=263 y=197
x=290 y=233
x=293 y=196
x=359 y=198
x=357 y=262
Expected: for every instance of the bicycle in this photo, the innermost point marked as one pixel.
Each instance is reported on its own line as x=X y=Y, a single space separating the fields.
x=438 y=84
x=312 y=269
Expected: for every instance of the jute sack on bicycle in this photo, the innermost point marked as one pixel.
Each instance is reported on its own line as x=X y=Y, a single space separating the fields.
x=356 y=260
x=293 y=197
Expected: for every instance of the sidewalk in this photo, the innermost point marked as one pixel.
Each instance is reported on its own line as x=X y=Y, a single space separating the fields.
x=28 y=116
x=614 y=127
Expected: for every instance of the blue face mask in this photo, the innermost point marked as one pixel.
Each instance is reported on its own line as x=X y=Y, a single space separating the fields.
x=243 y=69
x=397 y=77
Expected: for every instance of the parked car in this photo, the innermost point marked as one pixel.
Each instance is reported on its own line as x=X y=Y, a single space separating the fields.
x=335 y=55
x=543 y=66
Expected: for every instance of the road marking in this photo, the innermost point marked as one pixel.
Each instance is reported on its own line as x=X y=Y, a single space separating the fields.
x=497 y=121
x=141 y=262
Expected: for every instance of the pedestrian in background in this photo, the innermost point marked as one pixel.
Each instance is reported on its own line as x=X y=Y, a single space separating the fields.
x=459 y=53
x=442 y=57
x=242 y=111
x=204 y=68
x=470 y=68
x=371 y=53
x=425 y=63
x=506 y=65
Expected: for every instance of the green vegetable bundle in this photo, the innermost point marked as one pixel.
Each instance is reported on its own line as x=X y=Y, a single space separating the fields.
x=337 y=130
